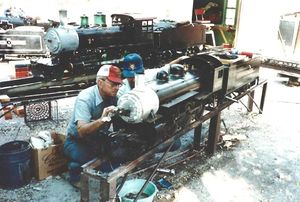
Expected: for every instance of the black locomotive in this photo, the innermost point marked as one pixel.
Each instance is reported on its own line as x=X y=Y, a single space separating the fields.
x=81 y=49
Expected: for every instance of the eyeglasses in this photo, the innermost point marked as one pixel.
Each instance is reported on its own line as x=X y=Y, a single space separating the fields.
x=112 y=84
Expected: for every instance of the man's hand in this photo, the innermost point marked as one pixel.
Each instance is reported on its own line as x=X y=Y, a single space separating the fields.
x=85 y=129
x=108 y=112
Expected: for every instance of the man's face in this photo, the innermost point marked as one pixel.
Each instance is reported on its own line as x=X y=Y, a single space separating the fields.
x=108 y=88
x=131 y=81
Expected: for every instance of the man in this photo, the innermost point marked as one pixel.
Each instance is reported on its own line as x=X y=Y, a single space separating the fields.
x=91 y=120
x=133 y=64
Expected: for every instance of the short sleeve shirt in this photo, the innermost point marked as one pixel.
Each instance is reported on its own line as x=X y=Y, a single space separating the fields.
x=89 y=106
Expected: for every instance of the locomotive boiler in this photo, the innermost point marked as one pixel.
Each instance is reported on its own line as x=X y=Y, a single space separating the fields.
x=81 y=49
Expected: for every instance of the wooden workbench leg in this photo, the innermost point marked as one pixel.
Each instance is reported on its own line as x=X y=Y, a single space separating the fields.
x=108 y=190
x=84 y=189
x=213 y=136
x=197 y=137
x=263 y=96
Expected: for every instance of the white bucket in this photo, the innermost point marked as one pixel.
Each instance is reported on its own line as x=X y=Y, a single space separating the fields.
x=132 y=187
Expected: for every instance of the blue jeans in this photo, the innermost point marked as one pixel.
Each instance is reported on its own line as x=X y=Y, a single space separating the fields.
x=80 y=153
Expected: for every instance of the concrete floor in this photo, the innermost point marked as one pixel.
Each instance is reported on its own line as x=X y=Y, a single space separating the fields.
x=261 y=167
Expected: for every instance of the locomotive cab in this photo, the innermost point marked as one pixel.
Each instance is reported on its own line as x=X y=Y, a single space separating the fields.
x=133 y=22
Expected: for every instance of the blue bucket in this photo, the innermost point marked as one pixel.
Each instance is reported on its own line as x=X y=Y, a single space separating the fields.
x=15 y=164
x=132 y=187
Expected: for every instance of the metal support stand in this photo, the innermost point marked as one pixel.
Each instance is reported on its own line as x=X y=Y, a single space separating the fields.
x=250 y=101
x=214 y=127
x=263 y=96
x=214 y=131
x=198 y=133
x=197 y=137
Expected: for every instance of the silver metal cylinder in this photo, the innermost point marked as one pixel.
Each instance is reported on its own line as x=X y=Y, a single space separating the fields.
x=140 y=102
x=62 y=39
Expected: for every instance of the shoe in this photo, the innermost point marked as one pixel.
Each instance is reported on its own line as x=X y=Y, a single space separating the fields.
x=76 y=184
x=74 y=172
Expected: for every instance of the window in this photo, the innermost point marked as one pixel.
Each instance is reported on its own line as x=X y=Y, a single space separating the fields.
x=230 y=13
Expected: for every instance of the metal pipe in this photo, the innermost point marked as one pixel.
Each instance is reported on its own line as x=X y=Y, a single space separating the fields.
x=153 y=172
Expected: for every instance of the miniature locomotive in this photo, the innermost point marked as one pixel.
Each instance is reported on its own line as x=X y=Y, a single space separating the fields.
x=81 y=49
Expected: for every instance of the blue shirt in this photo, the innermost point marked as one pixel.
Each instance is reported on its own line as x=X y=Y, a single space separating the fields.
x=88 y=107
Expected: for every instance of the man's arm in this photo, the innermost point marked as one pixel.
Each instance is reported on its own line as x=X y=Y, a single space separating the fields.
x=85 y=129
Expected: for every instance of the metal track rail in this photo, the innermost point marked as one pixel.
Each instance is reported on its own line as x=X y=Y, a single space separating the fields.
x=36 y=89
x=16 y=102
x=20 y=81
x=286 y=65
x=34 y=86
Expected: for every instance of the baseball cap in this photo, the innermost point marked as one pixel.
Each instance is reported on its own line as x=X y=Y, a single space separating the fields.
x=133 y=64
x=112 y=73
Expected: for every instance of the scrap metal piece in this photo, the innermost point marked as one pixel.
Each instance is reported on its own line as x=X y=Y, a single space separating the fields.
x=166 y=170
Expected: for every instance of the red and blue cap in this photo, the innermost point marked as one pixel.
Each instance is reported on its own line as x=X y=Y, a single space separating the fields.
x=111 y=72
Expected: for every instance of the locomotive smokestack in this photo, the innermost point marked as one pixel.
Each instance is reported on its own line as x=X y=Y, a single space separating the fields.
x=63 y=17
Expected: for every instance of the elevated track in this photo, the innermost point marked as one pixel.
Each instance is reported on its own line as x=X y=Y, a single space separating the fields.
x=289 y=67
x=24 y=91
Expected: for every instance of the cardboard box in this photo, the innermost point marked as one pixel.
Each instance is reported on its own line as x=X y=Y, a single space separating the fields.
x=7 y=112
x=51 y=160
x=4 y=98
x=19 y=111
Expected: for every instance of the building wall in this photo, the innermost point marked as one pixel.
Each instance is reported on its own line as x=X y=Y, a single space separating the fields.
x=259 y=22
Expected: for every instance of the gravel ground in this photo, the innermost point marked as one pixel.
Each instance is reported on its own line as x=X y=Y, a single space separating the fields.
x=261 y=166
